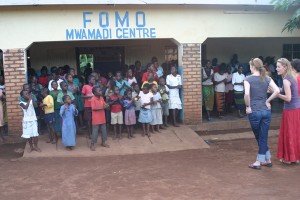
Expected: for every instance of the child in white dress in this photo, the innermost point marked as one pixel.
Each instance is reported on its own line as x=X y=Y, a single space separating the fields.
x=30 y=125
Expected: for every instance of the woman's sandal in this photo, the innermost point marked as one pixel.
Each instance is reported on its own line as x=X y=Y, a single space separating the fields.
x=285 y=162
x=257 y=167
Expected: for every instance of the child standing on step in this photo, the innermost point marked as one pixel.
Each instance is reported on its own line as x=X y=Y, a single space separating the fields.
x=98 y=118
x=30 y=126
x=145 y=117
x=48 y=106
x=130 y=118
x=67 y=112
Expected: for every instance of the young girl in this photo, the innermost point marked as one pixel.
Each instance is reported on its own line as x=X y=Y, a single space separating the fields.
x=67 y=112
x=109 y=91
x=135 y=96
x=145 y=117
x=156 y=109
x=130 y=118
x=57 y=118
x=48 y=106
x=131 y=78
x=30 y=126
x=164 y=92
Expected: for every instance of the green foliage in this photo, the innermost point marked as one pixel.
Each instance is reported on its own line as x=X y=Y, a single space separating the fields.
x=285 y=5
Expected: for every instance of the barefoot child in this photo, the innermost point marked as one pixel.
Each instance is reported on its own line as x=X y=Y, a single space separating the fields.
x=48 y=106
x=156 y=109
x=130 y=118
x=164 y=92
x=115 y=102
x=67 y=112
x=30 y=126
x=57 y=118
x=145 y=117
x=98 y=118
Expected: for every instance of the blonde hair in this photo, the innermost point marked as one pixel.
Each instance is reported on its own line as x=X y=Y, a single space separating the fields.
x=289 y=69
x=259 y=66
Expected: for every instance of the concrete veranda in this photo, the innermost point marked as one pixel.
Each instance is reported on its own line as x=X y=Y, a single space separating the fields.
x=170 y=139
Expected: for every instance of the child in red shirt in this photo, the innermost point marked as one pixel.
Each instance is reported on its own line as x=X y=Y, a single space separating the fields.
x=87 y=95
x=116 y=105
x=98 y=118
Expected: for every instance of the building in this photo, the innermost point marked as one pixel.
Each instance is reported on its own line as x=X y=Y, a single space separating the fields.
x=56 y=32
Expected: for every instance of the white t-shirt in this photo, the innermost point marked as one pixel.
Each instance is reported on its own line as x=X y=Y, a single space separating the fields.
x=221 y=86
x=238 y=78
x=130 y=81
x=29 y=113
x=208 y=81
x=145 y=98
x=58 y=83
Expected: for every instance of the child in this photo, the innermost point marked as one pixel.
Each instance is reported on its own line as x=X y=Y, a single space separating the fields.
x=109 y=91
x=131 y=79
x=150 y=79
x=30 y=126
x=57 y=118
x=115 y=102
x=123 y=85
x=164 y=92
x=48 y=107
x=145 y=117
x=135 y=95
x=87 y=94
x=130 y=118
x=67 y=112
x=64 y=91
x=156 y=109
x=98 y=118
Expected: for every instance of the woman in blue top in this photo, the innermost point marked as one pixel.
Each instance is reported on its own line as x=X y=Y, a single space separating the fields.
x=258 y=108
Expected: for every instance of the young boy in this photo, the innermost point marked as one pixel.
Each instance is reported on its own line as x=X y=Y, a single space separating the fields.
x=30 y=126
x=135 y=94
x=48 y=107
x=87 y=95
x=115 y=101
x=64 y=91
x=98 y=117
x=164 y=92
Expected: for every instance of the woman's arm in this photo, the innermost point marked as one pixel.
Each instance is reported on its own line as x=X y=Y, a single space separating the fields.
x=275 y=91
x=247 y=97
x=287 y=90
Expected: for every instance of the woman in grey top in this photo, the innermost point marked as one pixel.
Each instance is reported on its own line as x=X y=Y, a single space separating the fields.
x=258 y=108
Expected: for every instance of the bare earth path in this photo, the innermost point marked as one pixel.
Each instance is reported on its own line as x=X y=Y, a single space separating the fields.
x=219 y=172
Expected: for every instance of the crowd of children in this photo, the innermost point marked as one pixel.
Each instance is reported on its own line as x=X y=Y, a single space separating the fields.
x=65 y=102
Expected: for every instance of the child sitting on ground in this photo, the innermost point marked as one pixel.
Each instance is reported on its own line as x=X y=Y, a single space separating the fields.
x=130 y=118
x=98 y=118
x=145 y=117
x=30 y=126
x=115 y=102
x=67 y=112
x=48 y=106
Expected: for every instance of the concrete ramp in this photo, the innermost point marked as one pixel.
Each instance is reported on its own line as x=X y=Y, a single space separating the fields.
x=170 y=139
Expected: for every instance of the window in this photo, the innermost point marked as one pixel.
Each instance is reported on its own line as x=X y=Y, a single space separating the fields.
x=291 y=51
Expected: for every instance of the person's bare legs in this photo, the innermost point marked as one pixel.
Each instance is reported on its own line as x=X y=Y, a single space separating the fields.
x=128 y=131
x=35 y=142
x=120 y=131
x=115 y=131
x=50 y=140
x=147 y=130
x=144 y=129
x=157 y=128
x=174 y=113
x=30 y=141
x=2 y=139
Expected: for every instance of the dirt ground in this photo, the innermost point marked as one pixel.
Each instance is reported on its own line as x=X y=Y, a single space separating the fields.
x=219 y=172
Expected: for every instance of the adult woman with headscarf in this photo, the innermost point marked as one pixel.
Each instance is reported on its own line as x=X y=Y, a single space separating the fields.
x=258 y=108
x=289 y=137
